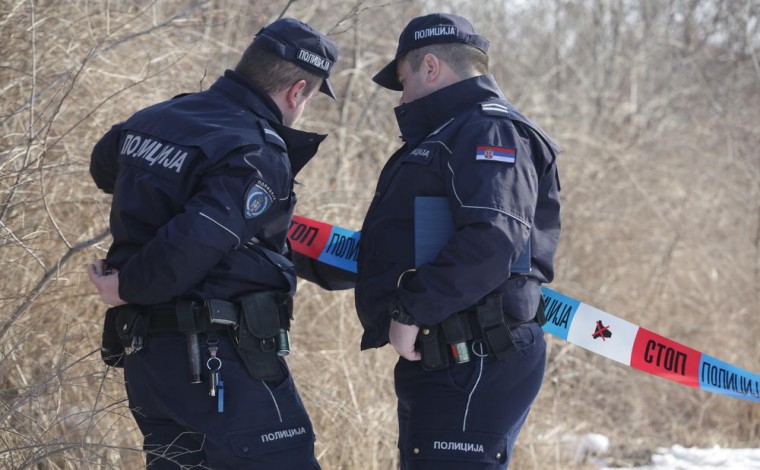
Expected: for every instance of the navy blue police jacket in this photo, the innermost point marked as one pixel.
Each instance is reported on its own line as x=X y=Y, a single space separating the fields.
x=202 y=194
x=497 y=170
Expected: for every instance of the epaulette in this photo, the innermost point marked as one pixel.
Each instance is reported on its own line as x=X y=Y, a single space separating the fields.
x=271 y=136
x=501 y=108
x=494 y=108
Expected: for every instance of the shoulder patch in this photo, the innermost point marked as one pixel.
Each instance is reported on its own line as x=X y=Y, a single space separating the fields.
x=495 y=154
x=271 y=136
x=493 y=108
x=258 y=199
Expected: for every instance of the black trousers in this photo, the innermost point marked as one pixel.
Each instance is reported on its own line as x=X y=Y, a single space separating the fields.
x=468 y=416
x=261 y=427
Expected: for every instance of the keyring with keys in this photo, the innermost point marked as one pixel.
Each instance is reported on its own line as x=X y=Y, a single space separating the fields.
x=216 y=385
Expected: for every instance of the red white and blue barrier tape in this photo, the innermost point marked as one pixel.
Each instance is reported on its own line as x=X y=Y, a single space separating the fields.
x=571 y=320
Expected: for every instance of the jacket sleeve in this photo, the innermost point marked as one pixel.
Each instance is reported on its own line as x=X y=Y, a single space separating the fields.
x=104 y=165
x=216 y=220
x=493 y=201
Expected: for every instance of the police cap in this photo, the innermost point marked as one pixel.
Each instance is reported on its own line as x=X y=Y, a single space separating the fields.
x=302 y=45
x=436 y=28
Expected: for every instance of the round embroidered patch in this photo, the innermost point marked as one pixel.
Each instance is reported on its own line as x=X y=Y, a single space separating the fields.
x=258 y=199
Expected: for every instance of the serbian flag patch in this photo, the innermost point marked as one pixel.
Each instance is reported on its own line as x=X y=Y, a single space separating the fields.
x=495 y=154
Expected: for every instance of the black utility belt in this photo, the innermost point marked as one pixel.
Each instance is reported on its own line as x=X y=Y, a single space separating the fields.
x=485 y=322
x=213 y=314
x=258 y=324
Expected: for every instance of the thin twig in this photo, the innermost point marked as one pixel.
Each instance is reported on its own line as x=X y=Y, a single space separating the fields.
x=284 y=10
x=45 y=280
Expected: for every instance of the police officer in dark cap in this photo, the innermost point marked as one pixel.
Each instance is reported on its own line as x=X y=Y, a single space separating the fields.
x=479 y=179
x=199 y=272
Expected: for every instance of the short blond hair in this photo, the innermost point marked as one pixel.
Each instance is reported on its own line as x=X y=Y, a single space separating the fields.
x=273 y=73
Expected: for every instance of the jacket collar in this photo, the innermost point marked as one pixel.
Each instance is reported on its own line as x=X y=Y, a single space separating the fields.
x=418 y=119
x=249 y=95
x=301 y=145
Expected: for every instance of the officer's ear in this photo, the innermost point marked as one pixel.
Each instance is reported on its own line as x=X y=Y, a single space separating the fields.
x=296 y=93
x=431 y=66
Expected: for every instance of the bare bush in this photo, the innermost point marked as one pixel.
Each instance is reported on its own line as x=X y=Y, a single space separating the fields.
x=655 y=103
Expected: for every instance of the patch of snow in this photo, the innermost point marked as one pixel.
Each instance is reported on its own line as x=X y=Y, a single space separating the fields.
x=681 y=458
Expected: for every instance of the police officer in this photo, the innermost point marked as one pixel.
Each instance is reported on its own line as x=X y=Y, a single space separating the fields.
x=466 y=320
x=202 y=199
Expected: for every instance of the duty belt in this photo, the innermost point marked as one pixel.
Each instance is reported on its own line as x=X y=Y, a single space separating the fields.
x=200 y=317
x=257 y=323
x=485 y=322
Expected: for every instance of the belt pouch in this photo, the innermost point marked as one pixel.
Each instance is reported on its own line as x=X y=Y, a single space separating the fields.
x=432 y=348
x=120 y=326
x=456 y=328
x=111 y=346
x=496 y=334
x=221 y=312
x=256 y=340
x=129 y=323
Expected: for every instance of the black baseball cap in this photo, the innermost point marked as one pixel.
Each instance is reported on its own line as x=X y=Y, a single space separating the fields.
x=436 y=28
x=303 y=45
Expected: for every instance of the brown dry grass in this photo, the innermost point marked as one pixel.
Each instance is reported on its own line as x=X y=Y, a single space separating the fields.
x=657 y=108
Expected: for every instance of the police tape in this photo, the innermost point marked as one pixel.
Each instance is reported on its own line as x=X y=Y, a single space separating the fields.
x=568 y=319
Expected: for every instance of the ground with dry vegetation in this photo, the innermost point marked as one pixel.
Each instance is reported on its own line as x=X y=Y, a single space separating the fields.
x=657 y=107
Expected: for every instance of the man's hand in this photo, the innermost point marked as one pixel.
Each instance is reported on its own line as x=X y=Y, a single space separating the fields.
x=402 y=337
x=107 y=284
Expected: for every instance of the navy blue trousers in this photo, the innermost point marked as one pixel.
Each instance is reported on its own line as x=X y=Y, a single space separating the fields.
x=262 y=427
x=468 y=416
